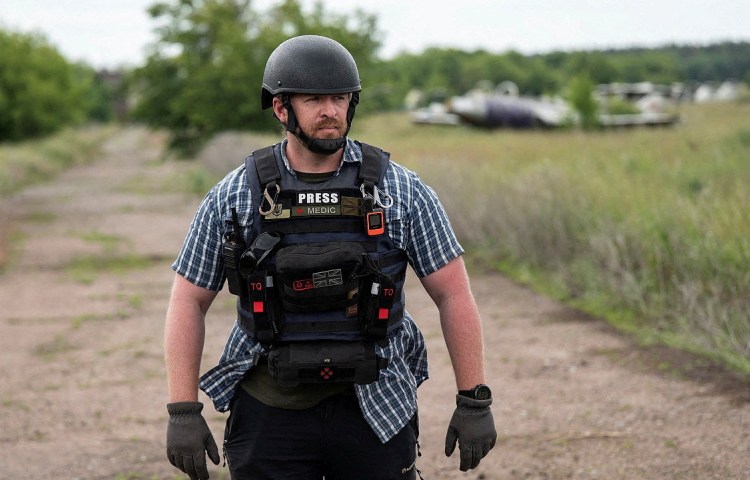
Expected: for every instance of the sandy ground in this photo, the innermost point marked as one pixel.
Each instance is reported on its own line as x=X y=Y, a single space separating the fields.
x=83 y=386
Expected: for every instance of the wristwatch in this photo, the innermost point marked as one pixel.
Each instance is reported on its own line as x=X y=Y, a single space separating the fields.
x=480 y=392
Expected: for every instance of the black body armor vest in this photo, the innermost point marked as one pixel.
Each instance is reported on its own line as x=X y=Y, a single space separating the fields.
x=321 y=276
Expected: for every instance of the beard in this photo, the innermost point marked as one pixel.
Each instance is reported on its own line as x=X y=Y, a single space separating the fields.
x=321 y=129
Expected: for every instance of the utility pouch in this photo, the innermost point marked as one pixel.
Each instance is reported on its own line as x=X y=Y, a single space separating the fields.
x=325 y=361
x=375 y=306
x=320 y=277
x=267 y=318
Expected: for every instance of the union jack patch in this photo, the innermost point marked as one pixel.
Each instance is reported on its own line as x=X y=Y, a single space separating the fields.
x=328 y=278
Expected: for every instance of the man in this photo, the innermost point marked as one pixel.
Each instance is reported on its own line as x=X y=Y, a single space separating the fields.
x=314 y=235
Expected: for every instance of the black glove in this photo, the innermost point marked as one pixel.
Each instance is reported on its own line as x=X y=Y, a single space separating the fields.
x=188 y=438
x=474 y=428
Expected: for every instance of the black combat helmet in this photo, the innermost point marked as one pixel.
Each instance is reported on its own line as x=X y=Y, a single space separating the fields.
x=311 y=64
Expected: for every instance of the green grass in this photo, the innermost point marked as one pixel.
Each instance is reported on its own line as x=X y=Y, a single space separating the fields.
x=84 y=269
x=53 y=348
x=648 y=228
x=109 y=243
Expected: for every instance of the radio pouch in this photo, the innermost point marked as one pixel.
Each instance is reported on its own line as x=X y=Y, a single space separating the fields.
x=232 y=249
x=326 y=361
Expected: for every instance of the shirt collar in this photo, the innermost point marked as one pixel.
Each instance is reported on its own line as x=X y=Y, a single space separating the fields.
x=352 y=154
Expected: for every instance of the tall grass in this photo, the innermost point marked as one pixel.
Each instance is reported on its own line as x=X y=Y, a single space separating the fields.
x=649 y=228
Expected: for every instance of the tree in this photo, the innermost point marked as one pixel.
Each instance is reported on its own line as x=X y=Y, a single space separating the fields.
x=582 y=98
x=39 y=91
x=205 y=71
x=596 y=66
x=100 y=92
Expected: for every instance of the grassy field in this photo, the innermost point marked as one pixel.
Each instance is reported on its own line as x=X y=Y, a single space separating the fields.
x=649 y=228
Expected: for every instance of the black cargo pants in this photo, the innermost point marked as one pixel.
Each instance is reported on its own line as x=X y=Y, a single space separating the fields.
x=331 y=440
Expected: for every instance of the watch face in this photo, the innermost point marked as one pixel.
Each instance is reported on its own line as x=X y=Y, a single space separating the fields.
x=482 y=392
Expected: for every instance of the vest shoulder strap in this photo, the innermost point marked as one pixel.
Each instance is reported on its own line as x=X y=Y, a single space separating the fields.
x=265 y=164
x=374 y=164
x=371 y=172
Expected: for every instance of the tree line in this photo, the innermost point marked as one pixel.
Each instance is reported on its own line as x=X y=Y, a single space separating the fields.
x=41 y=91
x=452 y=72
x=203 y=73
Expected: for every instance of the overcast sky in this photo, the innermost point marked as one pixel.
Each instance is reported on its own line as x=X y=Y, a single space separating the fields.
x=114 y=33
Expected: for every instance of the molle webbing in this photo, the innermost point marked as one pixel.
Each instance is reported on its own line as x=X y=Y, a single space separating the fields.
x=300 y=213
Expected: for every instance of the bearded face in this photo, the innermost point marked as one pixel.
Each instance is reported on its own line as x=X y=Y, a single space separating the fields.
x=320 y=122
x=321 y=116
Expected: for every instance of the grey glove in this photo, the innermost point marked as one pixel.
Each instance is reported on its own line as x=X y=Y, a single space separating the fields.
x=473 y=427
x=188 y=438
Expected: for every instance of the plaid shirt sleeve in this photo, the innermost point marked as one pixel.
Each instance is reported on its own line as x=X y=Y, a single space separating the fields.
x=200 y=260
x=418 y=222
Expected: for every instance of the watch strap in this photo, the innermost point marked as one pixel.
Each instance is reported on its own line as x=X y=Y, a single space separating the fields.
x=474 y=392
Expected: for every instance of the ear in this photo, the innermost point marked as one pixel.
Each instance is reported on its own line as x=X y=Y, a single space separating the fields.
x=279 y=110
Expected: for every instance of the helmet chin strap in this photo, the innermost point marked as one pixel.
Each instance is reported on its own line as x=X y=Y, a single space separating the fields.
x=324 y=146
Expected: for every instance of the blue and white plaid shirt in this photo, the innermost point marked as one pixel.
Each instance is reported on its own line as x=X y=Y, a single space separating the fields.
x=417 y=223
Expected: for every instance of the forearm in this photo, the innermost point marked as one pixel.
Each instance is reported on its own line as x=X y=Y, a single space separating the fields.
x=184 y=335
x=460 y=322
x=183 y=346
x=462 y=330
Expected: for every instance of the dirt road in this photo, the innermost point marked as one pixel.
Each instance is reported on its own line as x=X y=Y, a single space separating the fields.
x=83 y=387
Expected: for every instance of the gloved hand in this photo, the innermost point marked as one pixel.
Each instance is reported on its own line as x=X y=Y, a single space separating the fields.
x=473 y=427
x=188 y=438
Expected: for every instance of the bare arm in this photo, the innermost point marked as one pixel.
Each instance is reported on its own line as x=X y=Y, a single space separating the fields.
x=184 y=334
x=459 y=320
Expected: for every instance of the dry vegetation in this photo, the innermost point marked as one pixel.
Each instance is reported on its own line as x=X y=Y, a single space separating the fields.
x=647 y=227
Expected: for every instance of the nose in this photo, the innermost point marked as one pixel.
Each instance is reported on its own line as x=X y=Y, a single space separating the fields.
x=328 y=107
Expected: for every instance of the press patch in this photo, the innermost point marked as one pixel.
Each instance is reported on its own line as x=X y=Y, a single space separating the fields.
x=308 y=198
